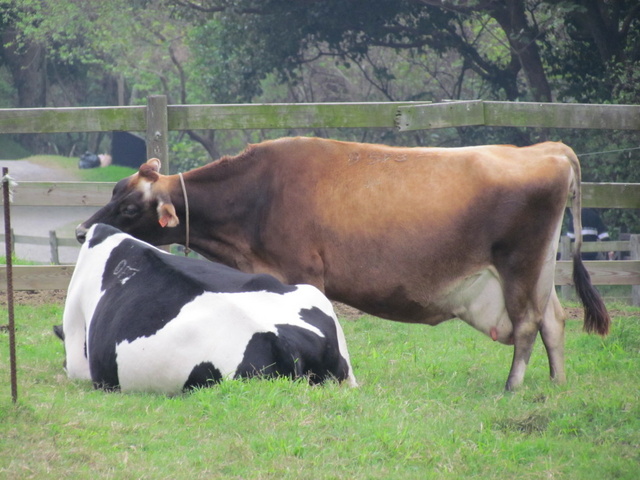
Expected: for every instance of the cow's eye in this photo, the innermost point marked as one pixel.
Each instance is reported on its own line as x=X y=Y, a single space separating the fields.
x=130 y=210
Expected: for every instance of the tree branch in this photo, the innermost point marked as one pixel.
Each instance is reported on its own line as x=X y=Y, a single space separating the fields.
x=217 y=8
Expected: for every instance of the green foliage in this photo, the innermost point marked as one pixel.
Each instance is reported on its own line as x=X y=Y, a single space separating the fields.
x=186 y=155
x=7 y=89
x=10 y=150
x=230 y=69
x=430 y=405
x=590 y=65
x=79 y=32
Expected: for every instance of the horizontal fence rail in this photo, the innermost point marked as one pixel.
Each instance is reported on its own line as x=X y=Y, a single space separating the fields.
x=518 y=114
x=62 y=194
x=38 y=277
x=405 y=116
x=80 y=119
x=202 y=117
x=53 y=241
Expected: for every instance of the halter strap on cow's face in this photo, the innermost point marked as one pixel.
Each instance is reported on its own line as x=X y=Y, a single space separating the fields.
x=186 y=214
x=166 y=211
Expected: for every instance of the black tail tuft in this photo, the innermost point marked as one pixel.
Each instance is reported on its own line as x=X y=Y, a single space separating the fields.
x=596 y=317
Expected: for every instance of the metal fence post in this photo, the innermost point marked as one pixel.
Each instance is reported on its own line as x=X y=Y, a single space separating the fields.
x=6 y=187
x=634 y=248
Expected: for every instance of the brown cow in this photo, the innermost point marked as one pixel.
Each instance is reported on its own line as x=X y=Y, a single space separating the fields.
x=410 y=234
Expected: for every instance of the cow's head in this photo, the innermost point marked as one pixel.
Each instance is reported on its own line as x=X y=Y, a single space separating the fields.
x=141 y=206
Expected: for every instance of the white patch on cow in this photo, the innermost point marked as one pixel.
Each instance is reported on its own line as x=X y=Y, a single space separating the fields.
x=478 y=300
x=145 y=187
x=83 y=295
x=215 y=328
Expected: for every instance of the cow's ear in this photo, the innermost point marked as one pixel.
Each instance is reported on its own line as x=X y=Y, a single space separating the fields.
x=167 y=215
x=150 y=170
x=154 y=163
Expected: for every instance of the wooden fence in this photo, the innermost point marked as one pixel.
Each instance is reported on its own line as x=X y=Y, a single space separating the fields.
x=53 y=241
x=157 y=119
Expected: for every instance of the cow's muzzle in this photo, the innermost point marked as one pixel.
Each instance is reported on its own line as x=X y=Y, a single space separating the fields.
x=81 y=233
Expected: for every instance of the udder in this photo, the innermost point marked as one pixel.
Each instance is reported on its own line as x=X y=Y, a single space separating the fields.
x=478 y=300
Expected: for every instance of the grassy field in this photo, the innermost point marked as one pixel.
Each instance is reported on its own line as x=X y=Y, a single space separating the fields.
x=430 y=405
x=69 y=165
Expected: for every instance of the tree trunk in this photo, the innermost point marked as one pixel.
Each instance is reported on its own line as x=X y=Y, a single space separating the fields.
x=522 y=40
x=207 y=141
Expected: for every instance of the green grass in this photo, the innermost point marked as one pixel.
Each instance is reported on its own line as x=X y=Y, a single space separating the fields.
x=430 y=405
x=112 y=173
x=16 y=261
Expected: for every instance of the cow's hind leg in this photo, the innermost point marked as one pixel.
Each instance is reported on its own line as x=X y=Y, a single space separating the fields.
x=548 y=318
x=525 y=329
x=534 y=308
x=552 y=332
x=526 y=300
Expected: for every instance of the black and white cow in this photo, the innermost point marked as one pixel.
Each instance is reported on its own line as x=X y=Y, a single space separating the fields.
x=139 y=319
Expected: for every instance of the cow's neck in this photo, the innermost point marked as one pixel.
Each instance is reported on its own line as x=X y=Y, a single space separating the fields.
x=224 y=212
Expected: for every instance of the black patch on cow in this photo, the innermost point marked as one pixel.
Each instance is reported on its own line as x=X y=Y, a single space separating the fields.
x=145 y=288
x=264 y=357
x=204 y=374
x=101 y=233
x=215 y=277
x=296 y=351
x=317 y=358
x=57 y=329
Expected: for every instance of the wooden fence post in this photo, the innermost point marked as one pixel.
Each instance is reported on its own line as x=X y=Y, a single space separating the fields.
x=53 y=245
x=566 y=291
x=634 y=248
x=158 y=135
x=158 y=130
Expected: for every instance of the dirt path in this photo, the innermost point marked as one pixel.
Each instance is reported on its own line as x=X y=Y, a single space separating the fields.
x=27 y=171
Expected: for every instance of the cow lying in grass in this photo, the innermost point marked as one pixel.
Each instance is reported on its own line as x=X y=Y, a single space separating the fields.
x=139 y=319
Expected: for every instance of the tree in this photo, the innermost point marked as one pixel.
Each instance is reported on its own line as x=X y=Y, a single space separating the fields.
x=516 y=46
x=91 y=52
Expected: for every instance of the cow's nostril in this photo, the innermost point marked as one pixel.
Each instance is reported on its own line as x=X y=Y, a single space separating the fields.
x=81 y=233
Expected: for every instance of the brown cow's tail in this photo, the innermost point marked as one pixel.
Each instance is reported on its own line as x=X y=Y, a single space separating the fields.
x=596 y=317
